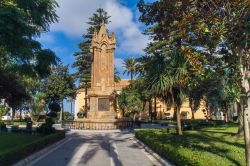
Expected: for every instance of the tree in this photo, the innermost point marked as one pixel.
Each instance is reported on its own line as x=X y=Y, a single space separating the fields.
x=59 y=86
x=3 y=111
x=117 y=78
x=71 y=100
x=38 y=105
x=19 y=49
x=84 y=57
x=139 y=85
x=21 y=56
x=165 y=77
x=130 y=67
x=130 y=102
x=212 y=34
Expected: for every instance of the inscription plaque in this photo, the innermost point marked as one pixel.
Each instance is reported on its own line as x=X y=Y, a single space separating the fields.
x=103 y=104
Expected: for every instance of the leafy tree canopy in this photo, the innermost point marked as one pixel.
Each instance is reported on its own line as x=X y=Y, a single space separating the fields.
x=59 y=85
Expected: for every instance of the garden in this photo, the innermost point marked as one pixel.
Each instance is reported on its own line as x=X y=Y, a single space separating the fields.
x=217 y=146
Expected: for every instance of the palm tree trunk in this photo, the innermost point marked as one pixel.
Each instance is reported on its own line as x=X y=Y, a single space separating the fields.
x=155 y=113
x=192 y=114
x=178 y=119
x=150 y=110
x=131 y=76
x=71 y=107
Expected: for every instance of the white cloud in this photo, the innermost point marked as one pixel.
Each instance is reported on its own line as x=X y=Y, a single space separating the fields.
x=74 y=15
x=131 y=38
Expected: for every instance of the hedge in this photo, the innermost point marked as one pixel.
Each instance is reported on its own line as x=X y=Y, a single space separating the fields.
x=14 y=155
x=206 y=147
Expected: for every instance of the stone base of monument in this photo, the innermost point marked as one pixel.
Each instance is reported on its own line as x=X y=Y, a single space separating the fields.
x=98 y=124
x=101 y=115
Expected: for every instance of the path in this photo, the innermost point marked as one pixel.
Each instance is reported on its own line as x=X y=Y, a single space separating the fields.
x=98 y=149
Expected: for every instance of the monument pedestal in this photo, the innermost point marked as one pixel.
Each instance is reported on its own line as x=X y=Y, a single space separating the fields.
x=101 y=106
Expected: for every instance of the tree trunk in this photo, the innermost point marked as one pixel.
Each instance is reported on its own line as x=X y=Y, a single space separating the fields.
x=123 y=113
x=13 y=113
x=86 y=99
x=134 y=116
x=178 y=119
x=150 y=110
x=240 y=120
x=246 y=132
x=226 y=117
x=155 y=112
x=61 y=114
x=71 y=108
x=191 y=105
x=192 y=114
x=140 y=115
x=208 y=114
x=20 y=118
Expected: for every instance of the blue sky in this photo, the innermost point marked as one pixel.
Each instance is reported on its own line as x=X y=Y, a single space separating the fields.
x=65 y=35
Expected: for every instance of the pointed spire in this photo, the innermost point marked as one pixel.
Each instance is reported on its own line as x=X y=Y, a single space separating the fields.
x=102 y=31
x=102 y=36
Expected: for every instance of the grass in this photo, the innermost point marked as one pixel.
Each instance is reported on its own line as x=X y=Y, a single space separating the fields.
x=215 y=146
x=12 y=140
x=16 y=146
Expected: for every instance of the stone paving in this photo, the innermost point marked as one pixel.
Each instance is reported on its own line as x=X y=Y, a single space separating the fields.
x=103 y=148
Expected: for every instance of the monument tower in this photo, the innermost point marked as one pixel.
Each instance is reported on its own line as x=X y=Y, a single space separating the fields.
x=102 y=75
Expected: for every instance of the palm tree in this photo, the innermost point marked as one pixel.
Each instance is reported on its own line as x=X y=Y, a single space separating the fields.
x=130 y=66
x=117 y=78
x=71 y=101
x=165 y=77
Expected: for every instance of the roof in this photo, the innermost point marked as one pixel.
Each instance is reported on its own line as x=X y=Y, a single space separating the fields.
x=123 y=83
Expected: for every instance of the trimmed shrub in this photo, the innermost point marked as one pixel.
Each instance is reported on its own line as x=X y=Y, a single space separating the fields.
x=14 y=155
x=206 y=147
x=46 y=128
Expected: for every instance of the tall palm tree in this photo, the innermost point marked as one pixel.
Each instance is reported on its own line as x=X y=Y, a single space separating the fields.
x=130 y=66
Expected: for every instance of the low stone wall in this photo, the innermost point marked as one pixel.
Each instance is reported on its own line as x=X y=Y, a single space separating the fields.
x=97 y=124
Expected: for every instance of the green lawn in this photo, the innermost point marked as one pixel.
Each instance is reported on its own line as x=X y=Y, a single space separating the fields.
x=208 y=146
x=12 y=140
x=16 y=146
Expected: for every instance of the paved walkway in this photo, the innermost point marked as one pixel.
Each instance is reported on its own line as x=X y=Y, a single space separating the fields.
x=98 y=149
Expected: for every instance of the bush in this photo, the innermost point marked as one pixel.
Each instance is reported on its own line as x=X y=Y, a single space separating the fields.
x=55 y=107
x=46 y=128
x=199 y=124
x=82 y=114
x=14 y=155
x=210 y=146
x=3 y=126
x=13 y=122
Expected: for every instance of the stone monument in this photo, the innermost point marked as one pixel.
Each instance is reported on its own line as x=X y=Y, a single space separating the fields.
x=102 y=76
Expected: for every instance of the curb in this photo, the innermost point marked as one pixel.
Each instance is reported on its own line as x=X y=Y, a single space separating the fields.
x=162 y=160
x=40 y=154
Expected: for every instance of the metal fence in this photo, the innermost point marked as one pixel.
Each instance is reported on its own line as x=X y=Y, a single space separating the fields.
x=91 y=125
